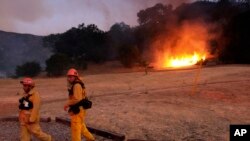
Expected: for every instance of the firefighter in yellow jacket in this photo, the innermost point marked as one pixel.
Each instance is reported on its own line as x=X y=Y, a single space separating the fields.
x=29 y=115
x=76 y=94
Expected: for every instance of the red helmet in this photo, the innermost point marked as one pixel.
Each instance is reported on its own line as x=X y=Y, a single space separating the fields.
x=72 y=72
x=27 y=81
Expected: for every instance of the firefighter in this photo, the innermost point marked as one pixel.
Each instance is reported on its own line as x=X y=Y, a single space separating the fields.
x=76 y=94
x=29 y=116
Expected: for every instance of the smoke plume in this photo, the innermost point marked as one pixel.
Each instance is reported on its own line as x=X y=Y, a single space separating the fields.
x=43 y=17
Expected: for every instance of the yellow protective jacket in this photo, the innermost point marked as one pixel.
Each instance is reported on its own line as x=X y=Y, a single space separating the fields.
x=34 y=113
x=78 y=94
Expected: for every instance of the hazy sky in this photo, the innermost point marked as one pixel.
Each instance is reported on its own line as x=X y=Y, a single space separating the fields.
x=43 y=17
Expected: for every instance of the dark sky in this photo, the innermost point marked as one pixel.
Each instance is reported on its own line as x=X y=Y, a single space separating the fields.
x=43 y=17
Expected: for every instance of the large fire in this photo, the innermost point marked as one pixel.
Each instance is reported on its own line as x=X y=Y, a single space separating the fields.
x=184 y=60
x=185 y=46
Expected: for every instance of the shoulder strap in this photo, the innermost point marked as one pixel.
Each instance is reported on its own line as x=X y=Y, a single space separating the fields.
x=29 y=95
x=26 y=97
x=77 y=82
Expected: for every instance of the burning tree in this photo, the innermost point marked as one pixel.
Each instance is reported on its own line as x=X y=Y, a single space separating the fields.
x=184 y=46
x=167 y=37
x=174 y=41
x=194 y=32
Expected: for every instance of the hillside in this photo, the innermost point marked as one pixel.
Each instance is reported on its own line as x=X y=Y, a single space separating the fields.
x=16 y=49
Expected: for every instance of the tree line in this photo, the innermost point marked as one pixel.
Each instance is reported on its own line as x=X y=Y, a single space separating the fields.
x=87 y=43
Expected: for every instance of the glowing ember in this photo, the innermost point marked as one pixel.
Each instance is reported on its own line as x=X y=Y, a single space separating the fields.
x=182 y=61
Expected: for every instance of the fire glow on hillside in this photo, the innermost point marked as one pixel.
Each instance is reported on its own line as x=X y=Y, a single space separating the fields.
x=185 y=46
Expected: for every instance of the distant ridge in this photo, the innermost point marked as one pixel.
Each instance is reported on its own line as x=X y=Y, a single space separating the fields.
x=17 y=48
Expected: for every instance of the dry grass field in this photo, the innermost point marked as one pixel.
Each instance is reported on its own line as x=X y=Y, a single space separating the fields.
x=159 y=106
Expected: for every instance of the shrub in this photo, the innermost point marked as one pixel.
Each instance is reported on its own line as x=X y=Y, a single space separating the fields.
x=28 y=69
x=129 y=55
x=57 y=64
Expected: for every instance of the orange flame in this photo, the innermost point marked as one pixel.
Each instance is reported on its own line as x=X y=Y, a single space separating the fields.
x=186 y=46
x=186 y=60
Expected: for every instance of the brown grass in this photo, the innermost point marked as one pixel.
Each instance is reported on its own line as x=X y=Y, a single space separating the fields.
x=157 y=106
